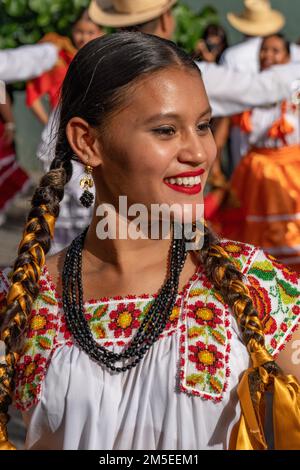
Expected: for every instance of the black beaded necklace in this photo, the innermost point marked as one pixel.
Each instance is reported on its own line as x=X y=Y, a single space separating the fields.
x=152 y=325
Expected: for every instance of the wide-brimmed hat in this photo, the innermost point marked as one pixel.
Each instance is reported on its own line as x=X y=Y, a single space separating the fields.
x=257 y=19
x=122 y=13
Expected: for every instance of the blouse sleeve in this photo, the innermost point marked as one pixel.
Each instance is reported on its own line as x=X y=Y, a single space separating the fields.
x=275 y=293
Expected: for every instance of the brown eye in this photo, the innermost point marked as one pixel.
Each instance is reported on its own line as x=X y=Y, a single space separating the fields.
x=204 y=126
x=165 y=131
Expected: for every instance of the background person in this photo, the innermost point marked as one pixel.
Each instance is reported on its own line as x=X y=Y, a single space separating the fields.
x=214 y=42
x=83 y=31
x=156 y=17
x=266 y=180
x=256 y=21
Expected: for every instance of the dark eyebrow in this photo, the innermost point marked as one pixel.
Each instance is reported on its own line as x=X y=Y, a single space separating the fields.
x=159 y=116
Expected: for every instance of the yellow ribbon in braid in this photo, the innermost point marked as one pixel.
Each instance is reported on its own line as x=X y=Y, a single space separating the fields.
x=17 y=293
x=248 y=434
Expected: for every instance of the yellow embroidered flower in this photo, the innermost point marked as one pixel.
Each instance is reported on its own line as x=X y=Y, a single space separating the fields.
x=175 y=313
x=124 y=320
x=206 y=357
x=38 y=322
x=204 y=313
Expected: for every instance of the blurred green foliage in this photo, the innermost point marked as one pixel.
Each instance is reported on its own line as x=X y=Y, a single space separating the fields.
x=190 y=25
x=26 y=21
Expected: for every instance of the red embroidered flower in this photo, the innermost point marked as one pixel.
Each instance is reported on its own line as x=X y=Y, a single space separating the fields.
x=283 y=327
x=296 y=310
x=260 y=298
x=41 y=322
x=205 y=314
x=64 y=329
x=262 y=304
x=236 y=249
x=174 y=317
x=206 y=357
x=273 y=343
x=28 y=370
x=124 y=319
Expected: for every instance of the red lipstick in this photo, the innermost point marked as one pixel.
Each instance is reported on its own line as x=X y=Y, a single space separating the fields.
x=186 y=189
x=189 y=173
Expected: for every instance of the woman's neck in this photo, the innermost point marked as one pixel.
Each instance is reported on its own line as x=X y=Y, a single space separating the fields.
x=123 y=255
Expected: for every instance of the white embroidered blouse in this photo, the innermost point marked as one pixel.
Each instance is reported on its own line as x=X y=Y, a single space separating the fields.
x=182 y=395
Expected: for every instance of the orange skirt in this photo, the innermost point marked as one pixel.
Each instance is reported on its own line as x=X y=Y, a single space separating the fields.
x=267 y=186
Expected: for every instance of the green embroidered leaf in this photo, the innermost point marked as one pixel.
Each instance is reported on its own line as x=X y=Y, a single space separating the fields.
x=48 y=299
x=195 y=331
x=215 y=384
x=99 y=330
x=195 y=379
x=99 y=312
x=43 y=342
x=263 y=270
x=288 y=293
x=218 y=336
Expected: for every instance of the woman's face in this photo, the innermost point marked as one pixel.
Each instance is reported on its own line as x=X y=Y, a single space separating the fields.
x=159 y=147
x=85 y=31
x=273 y=52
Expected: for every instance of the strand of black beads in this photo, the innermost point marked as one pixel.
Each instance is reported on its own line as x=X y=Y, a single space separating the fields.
x=114 y=357
x=78 y=324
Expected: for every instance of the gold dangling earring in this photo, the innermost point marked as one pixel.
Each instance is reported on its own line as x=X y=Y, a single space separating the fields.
x=86 y=183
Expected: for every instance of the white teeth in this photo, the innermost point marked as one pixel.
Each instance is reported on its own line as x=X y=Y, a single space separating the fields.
x=186 y=181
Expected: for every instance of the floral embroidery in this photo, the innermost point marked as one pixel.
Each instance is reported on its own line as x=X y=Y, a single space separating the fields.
x=200 y=315
x=204 y=344
x=241 y=254
x=206 y=357
x=30 y=374
x=205 y=313
x=124 y=318
x=280 y=313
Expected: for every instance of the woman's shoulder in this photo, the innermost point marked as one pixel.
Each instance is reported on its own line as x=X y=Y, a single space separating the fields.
x=274 y=289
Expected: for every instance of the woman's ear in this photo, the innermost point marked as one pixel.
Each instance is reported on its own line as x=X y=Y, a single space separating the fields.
x=84 y=142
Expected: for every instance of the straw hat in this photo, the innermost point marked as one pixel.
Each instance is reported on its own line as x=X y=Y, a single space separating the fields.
x=258 y=19
x=121 y=13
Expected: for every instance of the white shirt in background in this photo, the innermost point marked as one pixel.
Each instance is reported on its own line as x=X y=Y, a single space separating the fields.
x=231 y=92
x=26 y=62
x=243 y=57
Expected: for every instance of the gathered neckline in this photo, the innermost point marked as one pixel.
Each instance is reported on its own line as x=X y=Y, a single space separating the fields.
x=117 y=298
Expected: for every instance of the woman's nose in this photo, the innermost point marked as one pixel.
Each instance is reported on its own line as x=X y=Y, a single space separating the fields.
x=192 y=151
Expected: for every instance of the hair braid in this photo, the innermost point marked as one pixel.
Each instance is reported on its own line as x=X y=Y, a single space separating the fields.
x=228 y=280
x=35 y=244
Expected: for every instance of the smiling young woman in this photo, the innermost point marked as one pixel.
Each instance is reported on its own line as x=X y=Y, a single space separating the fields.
x=160 y=370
